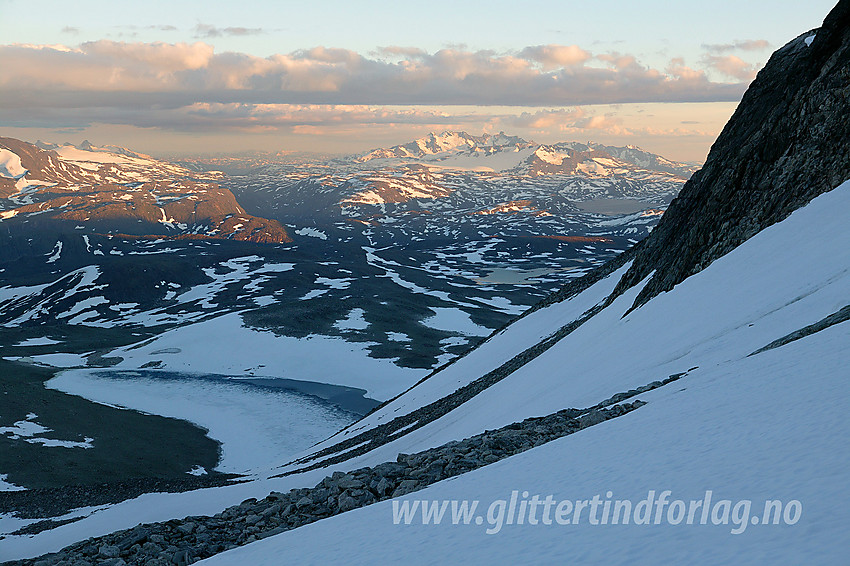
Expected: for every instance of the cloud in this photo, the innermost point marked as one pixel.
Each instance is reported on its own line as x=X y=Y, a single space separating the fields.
x=740 y=45
x=340 y=120
x=565 y=120
x=208 y=31
x=731 y=66
x=555 y=56
x=188 y=87
x=160 y=27
x=546 y=119
x=121 y=73
x=677 y=68
x=240 y=117
x=71 y=30
x=620 y=61
x=202 y=116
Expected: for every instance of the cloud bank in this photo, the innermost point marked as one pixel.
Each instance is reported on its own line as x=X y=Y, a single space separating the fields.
x=118 y=73
x=189 y=87
x=207 y=30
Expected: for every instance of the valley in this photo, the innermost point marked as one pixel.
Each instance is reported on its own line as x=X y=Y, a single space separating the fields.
x=315 y=284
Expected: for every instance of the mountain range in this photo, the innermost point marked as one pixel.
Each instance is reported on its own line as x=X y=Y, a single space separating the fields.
x=87 y=228
x=513 y=155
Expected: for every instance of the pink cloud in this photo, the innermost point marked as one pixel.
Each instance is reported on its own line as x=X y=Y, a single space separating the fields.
x=555 y=56
x=178 y=73
x=731 y=66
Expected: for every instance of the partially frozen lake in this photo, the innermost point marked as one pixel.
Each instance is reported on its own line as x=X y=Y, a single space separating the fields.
x=508 y=276
x=260 y=423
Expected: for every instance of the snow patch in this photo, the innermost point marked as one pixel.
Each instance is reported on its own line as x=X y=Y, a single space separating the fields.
x=5 y=485
x=243 y=350
x=354 y=320
x=10 y=165
x=454 y=320
x=312 y=232
x=41 y=341
x=57 y=252
x=30 y=431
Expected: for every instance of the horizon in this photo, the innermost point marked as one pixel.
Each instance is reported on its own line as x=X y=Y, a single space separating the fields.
x=167 y=155
x=191 y=79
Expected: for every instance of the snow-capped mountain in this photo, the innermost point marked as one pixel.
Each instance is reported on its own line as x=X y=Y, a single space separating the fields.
x=459 y=179
x=595 y=160
x=437 y=147
x=129 y=163
x=118 y=191
x=512 y=155
x=699 y=377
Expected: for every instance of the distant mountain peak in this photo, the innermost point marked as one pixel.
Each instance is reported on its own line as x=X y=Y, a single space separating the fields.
x=447 y=143
x=503 y=152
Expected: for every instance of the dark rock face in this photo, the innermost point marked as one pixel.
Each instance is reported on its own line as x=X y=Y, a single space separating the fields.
x=786 y=143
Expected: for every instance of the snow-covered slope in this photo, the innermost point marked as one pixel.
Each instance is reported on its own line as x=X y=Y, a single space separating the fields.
x=769 y=427
x=10 y=165
x=732 y=425
x=772 y=285
x=137 y=166
x=745 y=427
x=491 y=354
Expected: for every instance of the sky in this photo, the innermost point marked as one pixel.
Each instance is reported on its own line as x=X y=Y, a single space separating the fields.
x=189 y=77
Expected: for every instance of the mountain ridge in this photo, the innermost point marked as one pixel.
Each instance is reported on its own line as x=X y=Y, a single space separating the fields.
x=125 y=193
x=514 y=155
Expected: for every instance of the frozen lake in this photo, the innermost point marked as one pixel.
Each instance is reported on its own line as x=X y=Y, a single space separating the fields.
x=260 y=423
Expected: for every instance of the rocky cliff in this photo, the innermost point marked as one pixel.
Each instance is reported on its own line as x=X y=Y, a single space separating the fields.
x=786 y=143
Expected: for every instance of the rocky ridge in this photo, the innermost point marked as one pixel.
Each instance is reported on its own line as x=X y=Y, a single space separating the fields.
x=785 y=144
